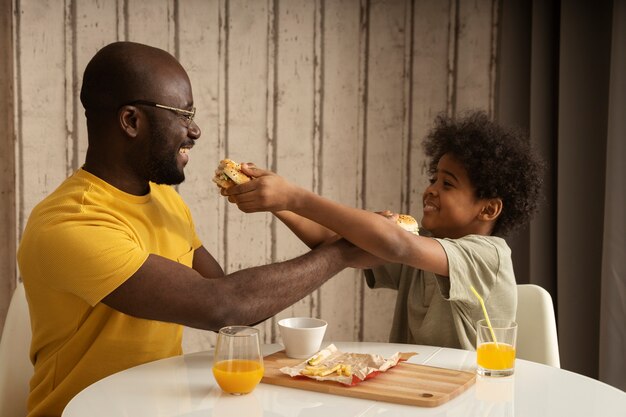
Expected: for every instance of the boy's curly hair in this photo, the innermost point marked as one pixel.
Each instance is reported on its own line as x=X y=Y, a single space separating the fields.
x=499 y=162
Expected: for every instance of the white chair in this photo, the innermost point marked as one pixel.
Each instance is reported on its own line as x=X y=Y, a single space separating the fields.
x=536 y=326
x=15 y=366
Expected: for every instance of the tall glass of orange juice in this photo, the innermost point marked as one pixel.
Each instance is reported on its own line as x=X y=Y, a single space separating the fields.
x=238 y=364
x=496 y=357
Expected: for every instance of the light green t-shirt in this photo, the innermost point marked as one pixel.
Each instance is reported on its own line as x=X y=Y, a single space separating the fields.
x=81 y=243
x=443 y=311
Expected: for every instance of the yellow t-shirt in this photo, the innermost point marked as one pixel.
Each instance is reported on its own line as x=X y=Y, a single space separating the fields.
x=80 y=244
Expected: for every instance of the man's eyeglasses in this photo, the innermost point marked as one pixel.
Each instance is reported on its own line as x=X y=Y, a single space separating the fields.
x=186 y=115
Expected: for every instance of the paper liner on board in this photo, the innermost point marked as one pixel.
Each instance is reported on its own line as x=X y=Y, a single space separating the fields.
x=363 y=365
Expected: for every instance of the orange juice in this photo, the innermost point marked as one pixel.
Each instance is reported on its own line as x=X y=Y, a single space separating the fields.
x=238 y=376
x=490 y=356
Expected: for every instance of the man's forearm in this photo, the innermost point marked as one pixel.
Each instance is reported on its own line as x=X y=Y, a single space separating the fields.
x=168 y=291
x=254 y=294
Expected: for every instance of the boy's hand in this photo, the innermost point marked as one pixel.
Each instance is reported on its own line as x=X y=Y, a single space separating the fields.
x=390 y=215
x=266 y=192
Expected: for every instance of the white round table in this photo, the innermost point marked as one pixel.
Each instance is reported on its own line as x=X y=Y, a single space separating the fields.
x=184 y=386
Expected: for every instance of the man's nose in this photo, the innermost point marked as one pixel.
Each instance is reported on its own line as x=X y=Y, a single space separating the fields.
x=193 y=131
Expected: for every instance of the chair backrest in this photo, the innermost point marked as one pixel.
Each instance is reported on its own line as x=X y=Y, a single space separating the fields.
x=536 y=326
x=15 y=366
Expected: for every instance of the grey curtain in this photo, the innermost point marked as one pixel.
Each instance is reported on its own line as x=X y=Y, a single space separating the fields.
x=613 y=294
x=562 y=76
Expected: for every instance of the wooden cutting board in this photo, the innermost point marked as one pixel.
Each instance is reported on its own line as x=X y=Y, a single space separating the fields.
x=406 y=383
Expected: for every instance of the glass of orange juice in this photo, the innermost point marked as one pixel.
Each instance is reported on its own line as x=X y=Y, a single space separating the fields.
x=238 y=364
x=496 y=357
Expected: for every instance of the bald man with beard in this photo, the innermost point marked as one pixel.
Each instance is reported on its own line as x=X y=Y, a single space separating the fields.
x=111 y=261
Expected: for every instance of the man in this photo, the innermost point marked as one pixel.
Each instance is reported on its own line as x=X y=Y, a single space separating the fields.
x=111 y=262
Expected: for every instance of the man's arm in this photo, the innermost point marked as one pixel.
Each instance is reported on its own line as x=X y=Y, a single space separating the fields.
x=168 y=291
x=205 y=264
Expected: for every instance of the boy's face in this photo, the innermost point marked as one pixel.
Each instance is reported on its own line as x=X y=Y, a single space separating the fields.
x=451 y=208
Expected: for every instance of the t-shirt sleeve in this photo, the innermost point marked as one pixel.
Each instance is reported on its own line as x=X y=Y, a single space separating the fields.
x=385 y=276
x=195 y=239
x=89 y=255
x=473 y=261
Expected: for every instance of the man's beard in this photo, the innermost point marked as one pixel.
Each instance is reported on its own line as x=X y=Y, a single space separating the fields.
x=162 y=165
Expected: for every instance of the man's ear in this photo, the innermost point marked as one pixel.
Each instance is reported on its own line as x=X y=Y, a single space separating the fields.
x=129 y=120
x=491 y=210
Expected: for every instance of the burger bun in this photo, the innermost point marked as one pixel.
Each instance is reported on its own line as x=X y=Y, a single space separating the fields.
x=408 y=223
x=228 y=173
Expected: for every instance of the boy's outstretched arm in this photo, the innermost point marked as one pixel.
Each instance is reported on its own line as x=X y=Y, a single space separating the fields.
x=368 y=230
x=311 y=233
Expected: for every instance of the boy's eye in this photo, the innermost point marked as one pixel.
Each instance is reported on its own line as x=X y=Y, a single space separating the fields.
x=432 y=180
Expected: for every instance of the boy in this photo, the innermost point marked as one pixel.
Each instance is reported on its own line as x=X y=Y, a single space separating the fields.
x=484 y=182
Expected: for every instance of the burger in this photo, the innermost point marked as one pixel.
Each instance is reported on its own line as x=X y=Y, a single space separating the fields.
x=228 y=173
x=408 y=223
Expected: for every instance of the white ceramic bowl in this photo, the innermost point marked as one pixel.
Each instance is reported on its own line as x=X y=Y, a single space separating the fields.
x=302 y=336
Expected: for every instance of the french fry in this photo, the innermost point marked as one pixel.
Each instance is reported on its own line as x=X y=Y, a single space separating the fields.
x=331 y=370
x=314 y=370
x=317 y=358
x=340 y=369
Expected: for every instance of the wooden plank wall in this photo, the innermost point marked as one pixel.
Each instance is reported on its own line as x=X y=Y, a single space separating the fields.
x=7 y=161
x=336 y=95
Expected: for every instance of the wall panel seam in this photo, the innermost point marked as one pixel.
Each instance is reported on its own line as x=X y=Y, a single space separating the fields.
x=495 y=27
x=453 y=56
x=222 y=133
x=318 y=115
x=408 y=105
x=176 y=19
x=20 y=121
x=271 y=131
x=362 y=135
x=71 y=81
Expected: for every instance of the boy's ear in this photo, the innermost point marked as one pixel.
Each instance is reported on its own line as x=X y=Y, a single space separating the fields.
x=491 y=210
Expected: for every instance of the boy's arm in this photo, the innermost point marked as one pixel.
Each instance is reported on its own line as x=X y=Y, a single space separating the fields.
x=311 y=233
x=370 y=231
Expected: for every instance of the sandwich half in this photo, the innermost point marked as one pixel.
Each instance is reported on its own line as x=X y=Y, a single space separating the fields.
x=228 y=173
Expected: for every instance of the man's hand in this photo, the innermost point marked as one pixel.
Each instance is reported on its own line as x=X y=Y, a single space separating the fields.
x=266 y=192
